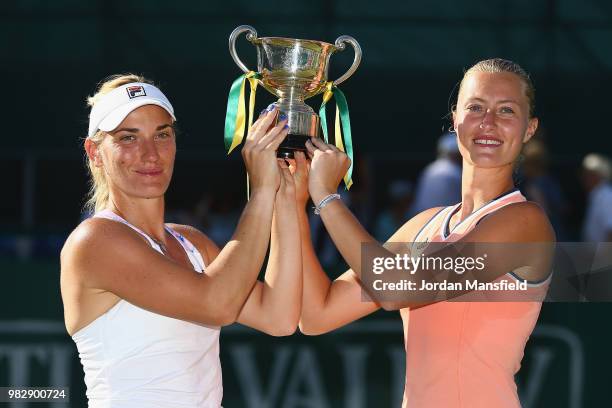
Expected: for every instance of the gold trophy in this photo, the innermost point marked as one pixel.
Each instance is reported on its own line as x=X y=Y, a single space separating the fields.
x=293 y=70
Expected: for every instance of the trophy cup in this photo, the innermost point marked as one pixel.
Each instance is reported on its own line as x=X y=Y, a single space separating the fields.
x=293 y=70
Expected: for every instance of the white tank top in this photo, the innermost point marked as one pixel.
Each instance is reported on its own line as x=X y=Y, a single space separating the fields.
x=136 y=358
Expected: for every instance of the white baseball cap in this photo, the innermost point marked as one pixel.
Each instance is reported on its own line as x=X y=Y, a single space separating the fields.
x=110 y=110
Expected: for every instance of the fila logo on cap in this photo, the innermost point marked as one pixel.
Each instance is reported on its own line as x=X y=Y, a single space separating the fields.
x=135 y=91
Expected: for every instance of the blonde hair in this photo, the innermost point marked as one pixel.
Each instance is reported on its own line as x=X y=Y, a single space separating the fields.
x=99 y=193
x=496 y=65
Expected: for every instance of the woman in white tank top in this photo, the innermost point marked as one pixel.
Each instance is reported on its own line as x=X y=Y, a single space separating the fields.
x=144 y=300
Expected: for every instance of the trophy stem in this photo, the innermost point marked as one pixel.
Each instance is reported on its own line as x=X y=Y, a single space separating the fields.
x=291 y=96
x=303 y=122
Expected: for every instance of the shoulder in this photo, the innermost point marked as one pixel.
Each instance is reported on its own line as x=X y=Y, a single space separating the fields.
x=521 y=221
x=201 y=241
x=101 y=233
x=425 y=216
x=96 y=239
x=92 y=232
x=411 y=228
x=524 y=211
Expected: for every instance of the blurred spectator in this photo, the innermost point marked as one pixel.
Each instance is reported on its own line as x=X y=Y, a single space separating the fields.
x=543 y=188
x=596 y=174
x=440 y=182
x=394 y=215
x=217 y=215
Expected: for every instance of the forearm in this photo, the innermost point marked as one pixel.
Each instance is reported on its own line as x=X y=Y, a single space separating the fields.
x=346 y=232
x=234 y=271
x=317 y=284
x=348 y=235
x=326 y=304
x=282 y=289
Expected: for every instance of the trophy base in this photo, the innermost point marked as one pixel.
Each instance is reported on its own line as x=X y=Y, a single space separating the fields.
x=291 y=144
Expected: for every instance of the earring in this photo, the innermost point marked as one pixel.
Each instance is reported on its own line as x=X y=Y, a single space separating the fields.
x=451 y=129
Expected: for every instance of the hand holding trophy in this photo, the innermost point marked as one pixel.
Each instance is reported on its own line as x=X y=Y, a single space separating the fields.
x=293 y=70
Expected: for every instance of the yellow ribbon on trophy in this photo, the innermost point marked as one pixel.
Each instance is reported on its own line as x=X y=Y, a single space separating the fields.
x=235 y=117
x=342 y=118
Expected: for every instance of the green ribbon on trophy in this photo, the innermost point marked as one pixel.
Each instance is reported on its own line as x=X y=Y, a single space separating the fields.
x=342 y=116
x=235 y=118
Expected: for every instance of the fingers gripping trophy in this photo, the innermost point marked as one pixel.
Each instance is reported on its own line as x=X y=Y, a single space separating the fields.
x=293 y=70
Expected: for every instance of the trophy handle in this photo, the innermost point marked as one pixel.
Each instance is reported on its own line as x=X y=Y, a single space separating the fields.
x=340 y=44
x=251 y=35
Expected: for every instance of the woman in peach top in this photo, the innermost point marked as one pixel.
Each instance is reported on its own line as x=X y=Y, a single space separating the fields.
x=458 y=354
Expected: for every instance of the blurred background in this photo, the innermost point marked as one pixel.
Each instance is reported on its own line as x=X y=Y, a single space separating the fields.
x=53 y=55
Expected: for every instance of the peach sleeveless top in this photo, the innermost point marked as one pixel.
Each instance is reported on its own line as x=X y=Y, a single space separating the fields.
x=465 y=354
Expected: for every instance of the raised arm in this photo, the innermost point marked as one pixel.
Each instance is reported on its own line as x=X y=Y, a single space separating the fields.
x=274 y=305
x=521 y=223
x=326 y=305
x=103 y=255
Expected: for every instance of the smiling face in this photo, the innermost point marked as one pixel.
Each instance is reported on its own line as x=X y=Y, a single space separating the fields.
x=492 y=118
x=138 y=156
